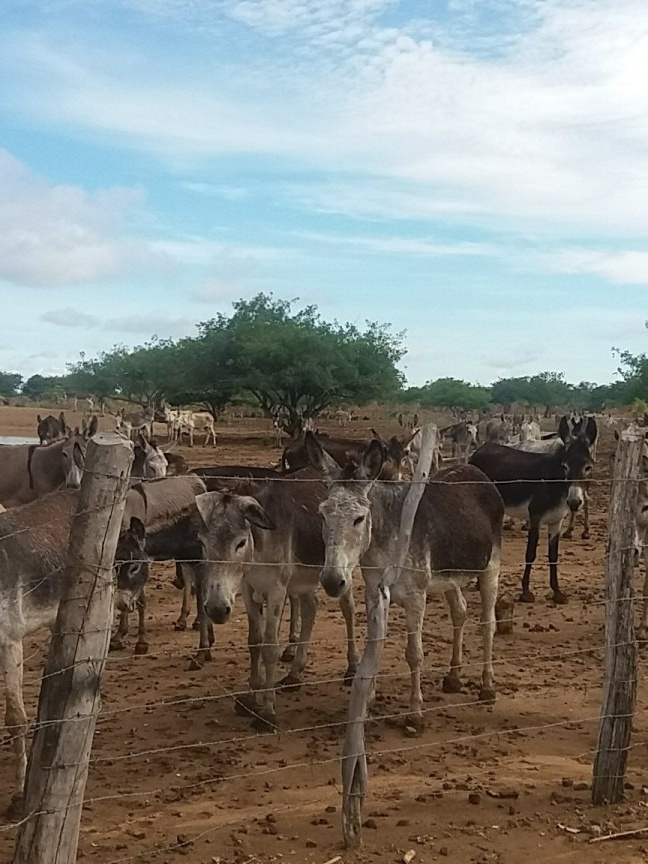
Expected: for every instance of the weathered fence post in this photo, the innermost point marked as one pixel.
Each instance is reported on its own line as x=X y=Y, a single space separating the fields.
x=69 y=697
x=354 y=757
x=620 y=684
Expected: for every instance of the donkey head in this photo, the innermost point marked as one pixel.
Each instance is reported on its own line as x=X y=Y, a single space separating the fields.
x=131 y=565
x=227 y=542
x=346 y=512
x=74 y=451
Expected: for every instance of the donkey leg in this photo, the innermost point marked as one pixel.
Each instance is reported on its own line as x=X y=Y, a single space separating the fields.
x=530 y=555
x=308 y=605
x=205 y=628
x=488 y=585
x=11 y=660
x=183 y=580
x=142 y=645
x=414 y=613
x=586 y=527
x=270 y=656
x=288 y=655
x=117 y=639
x=570 y=527
x=247 y=705
x=554 y=540
x=347 y=605
x=457 y=603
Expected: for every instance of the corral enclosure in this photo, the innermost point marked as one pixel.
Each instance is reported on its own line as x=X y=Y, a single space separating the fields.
x=175 y=772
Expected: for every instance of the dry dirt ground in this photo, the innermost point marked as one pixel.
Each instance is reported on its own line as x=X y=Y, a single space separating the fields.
x=172 y=763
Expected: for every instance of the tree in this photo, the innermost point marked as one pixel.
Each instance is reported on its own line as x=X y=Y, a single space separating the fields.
x=545 y=388
x=10 y=383
x=295 y=364
x=43 y=387
x=143 y=375
x=449 y=393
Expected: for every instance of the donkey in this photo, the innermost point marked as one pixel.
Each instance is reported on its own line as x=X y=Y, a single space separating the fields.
x=136 y=422
x=155 y=504
x=413 y=449
x=463 y=436
x=268 y=547
x=541 y=487
x=456 y=535
x=294 y=455
x=51 y=428
x=150 y=462
x=33 y=553
x=28 y=471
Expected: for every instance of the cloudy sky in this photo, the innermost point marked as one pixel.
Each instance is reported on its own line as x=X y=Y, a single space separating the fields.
x=472 y=171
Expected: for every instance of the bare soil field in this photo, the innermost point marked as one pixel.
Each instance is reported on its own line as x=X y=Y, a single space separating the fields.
x=177 y=775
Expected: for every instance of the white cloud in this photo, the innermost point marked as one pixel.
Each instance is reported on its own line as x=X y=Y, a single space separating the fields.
x=143 y=324
x=418 y=121
x=627 y=267
x=68 y=317
x=52 y=235
x=399 y=245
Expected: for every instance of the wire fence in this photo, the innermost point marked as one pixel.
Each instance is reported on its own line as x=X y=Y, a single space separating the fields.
x=315 y=687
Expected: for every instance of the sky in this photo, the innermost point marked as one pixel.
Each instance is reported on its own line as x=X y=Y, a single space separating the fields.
x=474 y=172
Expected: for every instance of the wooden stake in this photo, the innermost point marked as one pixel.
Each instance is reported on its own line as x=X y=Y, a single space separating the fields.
x=354 y=757
x=69 y=698
x=620 y=688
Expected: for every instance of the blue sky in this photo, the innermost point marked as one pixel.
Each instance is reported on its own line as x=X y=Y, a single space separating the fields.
x=472 y=171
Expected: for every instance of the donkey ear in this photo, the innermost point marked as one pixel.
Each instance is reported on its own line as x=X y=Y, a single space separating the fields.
x=206 y=503
x=320 y=459
x=373 y=459
x=376 y=435
x=136 y=529
x=563 y=429
x=256 y=515
x=591 y=430
x=92 y=427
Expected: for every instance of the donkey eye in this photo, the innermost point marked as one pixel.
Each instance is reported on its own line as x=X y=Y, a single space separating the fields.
x=587 y=469
x=240 y=544
x=358 y=520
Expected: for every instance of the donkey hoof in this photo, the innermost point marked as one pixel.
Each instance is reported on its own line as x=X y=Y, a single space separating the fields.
x=199 y=659
x=487 y=694
x=179 y=625
x=527 y=597
x=452 y=684
x=417 y=721
x=195 y=625
x=141 y=648
x=567 y=535
x=16 y=806
x=585 y=535
x=559 y=598
x=290 y=682
x=349 y=675
x=116 y=644
x=265 y=723
x=246 y=705
x=288 y=655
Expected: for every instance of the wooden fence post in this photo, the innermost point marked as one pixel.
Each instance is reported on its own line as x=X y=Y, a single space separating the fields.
x=69 y=698
x=620 y=684
x=354 y=757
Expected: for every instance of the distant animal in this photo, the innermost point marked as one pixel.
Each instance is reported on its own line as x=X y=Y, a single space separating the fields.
x=541 y=487
x=51 y=428
x=28 y=471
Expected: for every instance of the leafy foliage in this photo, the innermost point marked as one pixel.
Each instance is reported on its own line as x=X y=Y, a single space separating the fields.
x=10 y=383
x=449 y=393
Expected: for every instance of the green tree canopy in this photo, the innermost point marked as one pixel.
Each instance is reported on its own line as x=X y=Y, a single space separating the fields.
x=449 y=393
x=10 y=383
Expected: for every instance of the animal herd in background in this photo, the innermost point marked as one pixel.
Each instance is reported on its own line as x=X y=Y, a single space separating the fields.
x=327 y=514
